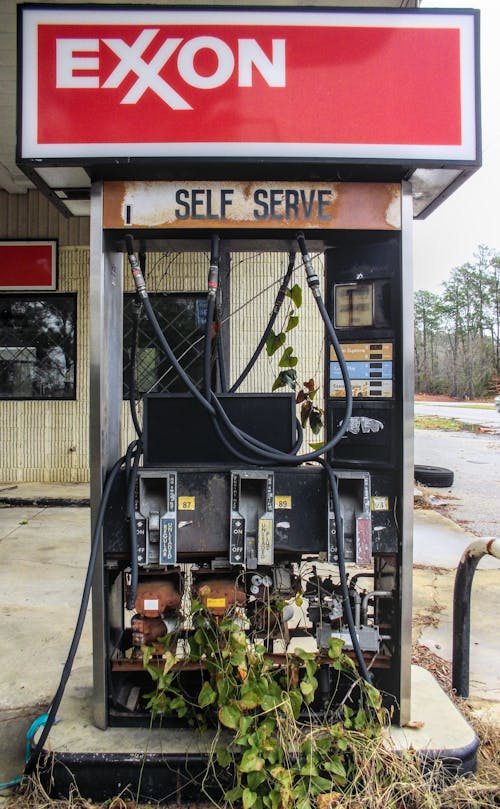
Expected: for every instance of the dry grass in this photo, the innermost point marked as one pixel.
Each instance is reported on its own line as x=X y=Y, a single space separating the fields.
x=386 y=779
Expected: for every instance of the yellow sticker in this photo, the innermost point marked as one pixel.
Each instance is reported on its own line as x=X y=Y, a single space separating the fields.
x=282 y=501
x=380 y=504
x=216 y=602
x=186 y=503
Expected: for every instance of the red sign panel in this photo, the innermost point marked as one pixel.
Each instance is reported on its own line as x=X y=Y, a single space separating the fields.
x=145 y=82
x=28 y=266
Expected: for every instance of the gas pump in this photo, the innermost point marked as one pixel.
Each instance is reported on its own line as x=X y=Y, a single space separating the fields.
x=236 y=512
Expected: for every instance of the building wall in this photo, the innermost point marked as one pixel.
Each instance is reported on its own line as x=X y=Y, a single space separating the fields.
x=32 y=216
x=48 y=440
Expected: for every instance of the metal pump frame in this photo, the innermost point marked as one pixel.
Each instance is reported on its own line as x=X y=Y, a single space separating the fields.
x=106 y=312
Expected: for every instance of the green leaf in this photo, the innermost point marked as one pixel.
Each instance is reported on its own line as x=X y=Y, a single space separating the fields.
x=306 y=688
x=249 y=700
x=288 y=360
x=223 y=689
x=229 y=716
x=285 y=379
x=315 y=420
x=255 y=779
x=274 y=342
x=303 y=655
x=245 y=725
x=374 y=696
x=207 y=695
x=335 y=766
x=295 y=698
x=224 y=757
x=251 y=762
x=293 y=322
x=360 y=719
x=269 y=702
x=316 y=445
x=179 y=706
x=275 y=796
x=295 y=293
x=321 y=784
x=234 y=794
x=335 y=646
x=249 y=798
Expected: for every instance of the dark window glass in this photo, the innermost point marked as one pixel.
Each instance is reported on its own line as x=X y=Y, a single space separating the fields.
x=182 y=319
x=37 y=346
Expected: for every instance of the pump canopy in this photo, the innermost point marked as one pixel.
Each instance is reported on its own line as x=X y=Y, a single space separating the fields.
x=246 y=94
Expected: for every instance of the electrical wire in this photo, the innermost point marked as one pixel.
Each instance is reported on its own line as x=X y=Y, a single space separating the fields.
x=95 y=545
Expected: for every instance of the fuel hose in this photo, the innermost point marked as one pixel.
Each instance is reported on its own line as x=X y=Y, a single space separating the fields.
x=95 y=545
x=212 y=405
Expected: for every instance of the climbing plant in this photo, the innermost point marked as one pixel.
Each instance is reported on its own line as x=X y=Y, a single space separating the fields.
x=310 y=413
x=270 y=751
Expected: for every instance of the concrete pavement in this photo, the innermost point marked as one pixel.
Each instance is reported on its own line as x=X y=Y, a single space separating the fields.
x=43 y=557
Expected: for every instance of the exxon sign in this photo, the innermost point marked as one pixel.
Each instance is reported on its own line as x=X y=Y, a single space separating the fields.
x=167 y=83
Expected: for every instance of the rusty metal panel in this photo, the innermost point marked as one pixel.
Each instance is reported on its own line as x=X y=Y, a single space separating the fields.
x=252 y=205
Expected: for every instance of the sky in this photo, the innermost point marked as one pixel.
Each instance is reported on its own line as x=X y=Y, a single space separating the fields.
x=451 y=234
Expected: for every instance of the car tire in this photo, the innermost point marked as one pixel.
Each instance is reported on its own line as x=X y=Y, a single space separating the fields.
x=437 y=476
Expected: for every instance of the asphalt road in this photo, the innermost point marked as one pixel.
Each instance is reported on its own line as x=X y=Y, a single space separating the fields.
x=470 y=415
x=473 y=500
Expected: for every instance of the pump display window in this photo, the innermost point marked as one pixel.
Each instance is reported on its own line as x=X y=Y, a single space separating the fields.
x=182 y=318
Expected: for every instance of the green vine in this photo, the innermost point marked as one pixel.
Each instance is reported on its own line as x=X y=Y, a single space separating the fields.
x=269 y=751
x=310 y=413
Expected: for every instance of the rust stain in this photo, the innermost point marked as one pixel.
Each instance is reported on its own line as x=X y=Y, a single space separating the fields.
x=349 y=206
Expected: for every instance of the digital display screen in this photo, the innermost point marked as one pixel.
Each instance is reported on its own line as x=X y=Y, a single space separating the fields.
x=353 y=305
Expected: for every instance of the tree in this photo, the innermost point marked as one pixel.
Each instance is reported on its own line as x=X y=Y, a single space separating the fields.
x=457 y=333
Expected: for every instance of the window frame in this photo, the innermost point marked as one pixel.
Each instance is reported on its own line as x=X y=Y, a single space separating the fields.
x=41 y=295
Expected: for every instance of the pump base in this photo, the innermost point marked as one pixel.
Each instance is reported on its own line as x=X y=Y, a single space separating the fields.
x=104 y=764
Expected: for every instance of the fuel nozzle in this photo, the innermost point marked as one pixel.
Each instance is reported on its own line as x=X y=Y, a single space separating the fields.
x=135 y=266
x=312 y=277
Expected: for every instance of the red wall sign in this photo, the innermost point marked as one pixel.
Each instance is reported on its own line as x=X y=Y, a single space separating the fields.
x=146 y=82
x=28 y=266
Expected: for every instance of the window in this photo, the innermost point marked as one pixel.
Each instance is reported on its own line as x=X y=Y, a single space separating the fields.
x=37 y=346
x=182 y=318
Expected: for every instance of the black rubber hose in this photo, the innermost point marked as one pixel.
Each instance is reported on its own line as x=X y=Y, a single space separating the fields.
x=221 y=360
x=280 y=297
x=132 y=390
x=285 y=458
x=339 y=529
x=134 y=560
x=207 y=348
x=246 y=442
x=133 y=351
x=95 y=545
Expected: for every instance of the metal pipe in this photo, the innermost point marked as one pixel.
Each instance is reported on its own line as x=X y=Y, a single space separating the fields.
x=366 y=598
x=461 y=609
x=357 y=609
